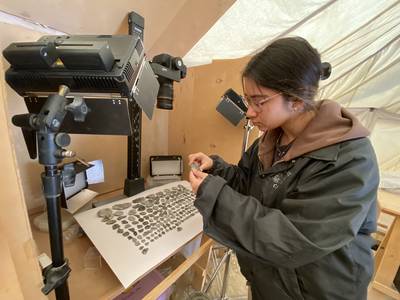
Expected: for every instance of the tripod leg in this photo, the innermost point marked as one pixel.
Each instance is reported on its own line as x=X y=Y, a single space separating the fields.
x=215 y=273
x=248 y=127
x=52 y=189
x=62 y=291
x=226 y=274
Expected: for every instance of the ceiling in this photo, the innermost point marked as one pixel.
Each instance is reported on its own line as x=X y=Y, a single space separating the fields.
x=163 y=19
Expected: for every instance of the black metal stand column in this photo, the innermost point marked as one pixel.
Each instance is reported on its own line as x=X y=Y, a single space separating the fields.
x=50 y=143
x=51 y=179
x=134 y=183
x=45 y=126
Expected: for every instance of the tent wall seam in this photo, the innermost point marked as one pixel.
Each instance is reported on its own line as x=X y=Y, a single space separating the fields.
x=362 y=26
x=298 y=24
x=372 y=77
x=362 y=62
x=363 y=45
x=362 y=79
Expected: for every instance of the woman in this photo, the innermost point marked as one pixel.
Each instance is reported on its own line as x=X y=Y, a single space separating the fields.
x=300 y=206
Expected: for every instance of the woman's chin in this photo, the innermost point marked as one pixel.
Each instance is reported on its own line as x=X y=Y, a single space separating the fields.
x=261 y=127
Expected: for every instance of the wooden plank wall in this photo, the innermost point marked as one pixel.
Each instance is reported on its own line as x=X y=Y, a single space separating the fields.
x=20 y=273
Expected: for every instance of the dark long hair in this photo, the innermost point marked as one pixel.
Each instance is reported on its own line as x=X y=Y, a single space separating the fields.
x=288 y=65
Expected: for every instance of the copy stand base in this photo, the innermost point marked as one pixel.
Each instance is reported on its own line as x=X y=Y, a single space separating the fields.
x=133 y=186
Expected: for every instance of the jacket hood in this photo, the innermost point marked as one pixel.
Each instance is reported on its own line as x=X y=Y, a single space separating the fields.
x=332 y=124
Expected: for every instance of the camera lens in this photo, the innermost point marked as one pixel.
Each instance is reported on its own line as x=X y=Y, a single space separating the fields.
x=164 y=104
x=165 y=96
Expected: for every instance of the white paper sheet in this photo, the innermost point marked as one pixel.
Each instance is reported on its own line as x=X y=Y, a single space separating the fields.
x=124 y=258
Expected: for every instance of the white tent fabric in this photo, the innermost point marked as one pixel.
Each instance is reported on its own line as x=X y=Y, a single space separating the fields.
x=359 y=38
x=26 y=23
x=385 y=133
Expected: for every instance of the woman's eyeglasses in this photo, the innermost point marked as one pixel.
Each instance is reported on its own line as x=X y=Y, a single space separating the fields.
x=256 y=105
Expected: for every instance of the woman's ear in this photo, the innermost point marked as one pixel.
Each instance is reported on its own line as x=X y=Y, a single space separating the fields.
x=296 y=105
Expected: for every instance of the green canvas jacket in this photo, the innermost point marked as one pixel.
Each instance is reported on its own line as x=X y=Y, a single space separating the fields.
x=301 y=227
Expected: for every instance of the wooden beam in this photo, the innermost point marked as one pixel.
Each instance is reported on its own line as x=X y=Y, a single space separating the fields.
x=386 y=290
x=388 y=260
x=10 y=287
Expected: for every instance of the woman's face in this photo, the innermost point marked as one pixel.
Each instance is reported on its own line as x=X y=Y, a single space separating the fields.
x=267 y=109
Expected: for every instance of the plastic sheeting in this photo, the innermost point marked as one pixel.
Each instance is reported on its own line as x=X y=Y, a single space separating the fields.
x=384 y=127
x=359 y=38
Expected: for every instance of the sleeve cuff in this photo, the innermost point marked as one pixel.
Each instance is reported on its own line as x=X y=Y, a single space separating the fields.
x=216 y=164
x=207 y=196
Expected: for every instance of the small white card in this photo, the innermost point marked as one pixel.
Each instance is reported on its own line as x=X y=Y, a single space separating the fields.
x=95 y=174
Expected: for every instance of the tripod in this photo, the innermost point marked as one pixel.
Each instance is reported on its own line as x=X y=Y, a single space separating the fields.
x=44 y=127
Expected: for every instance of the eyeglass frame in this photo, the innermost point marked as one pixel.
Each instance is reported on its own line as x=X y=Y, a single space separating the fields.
x=257 y=107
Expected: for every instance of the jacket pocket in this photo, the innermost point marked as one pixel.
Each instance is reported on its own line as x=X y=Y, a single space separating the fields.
x=292 y=283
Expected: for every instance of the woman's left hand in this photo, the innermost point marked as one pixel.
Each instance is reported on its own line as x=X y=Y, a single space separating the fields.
x=196 y=177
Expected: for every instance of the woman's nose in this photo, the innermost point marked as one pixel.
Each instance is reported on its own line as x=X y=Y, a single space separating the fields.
x=250 y=112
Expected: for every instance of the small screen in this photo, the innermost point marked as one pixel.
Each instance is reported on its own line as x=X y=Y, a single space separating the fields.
x=165 y=167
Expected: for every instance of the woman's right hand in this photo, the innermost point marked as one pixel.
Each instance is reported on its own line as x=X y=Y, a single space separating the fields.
x=204 y=161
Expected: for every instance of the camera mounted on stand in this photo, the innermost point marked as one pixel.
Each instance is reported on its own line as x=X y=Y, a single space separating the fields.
x=83 y=84
x=168 y=69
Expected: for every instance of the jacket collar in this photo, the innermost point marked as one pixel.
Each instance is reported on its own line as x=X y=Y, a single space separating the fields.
x=329 y=153
x=331 y=125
